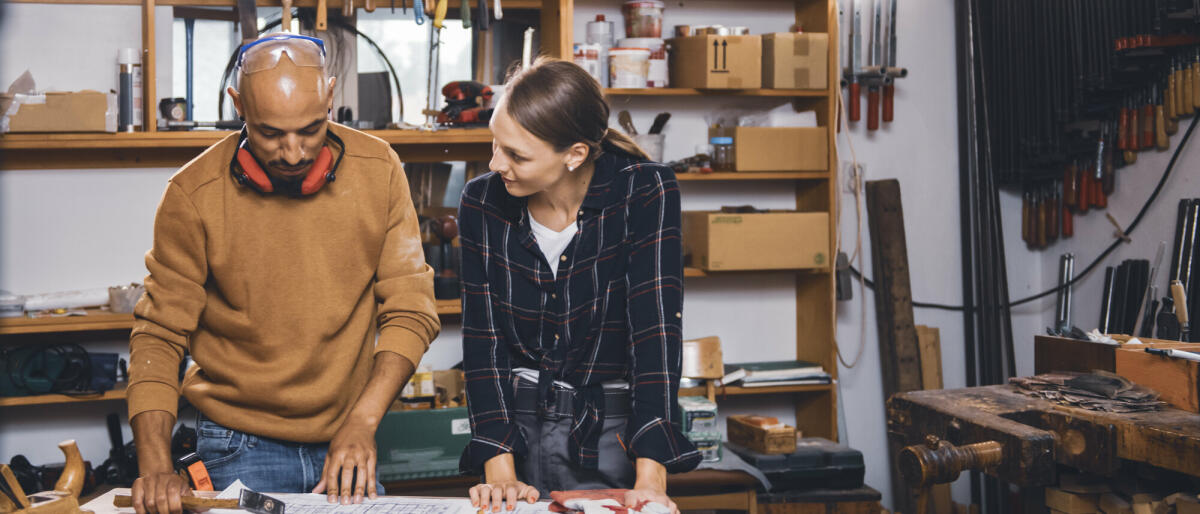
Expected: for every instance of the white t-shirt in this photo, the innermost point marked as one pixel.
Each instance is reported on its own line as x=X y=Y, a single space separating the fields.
x=552 y=243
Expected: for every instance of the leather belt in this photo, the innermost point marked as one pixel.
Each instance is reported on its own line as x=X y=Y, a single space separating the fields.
x=616 y=401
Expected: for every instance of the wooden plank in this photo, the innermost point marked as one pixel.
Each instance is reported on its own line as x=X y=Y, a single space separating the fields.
x=682 y=91
x=929 y=339
x=117 y=393
x=98 y=320
x=557 y=28
x=757 y=391
x=1051 y=353
x=453 y=5
x=899 y=352
x=929 y=342
x=149 y=67
x=765 y=175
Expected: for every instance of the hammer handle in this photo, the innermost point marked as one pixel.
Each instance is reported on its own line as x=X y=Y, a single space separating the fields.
x=189 y=502
x=855 y=106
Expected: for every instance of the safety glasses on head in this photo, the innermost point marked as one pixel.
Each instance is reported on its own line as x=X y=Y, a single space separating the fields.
x=264 y=53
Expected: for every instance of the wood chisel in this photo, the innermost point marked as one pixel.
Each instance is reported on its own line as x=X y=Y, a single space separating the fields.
x=876 y=63
x=498 y=12
x=347 y=8
x=1181 y=309
x=323 y=15
x=439 y=13
x=257 y=503
x=853 y=66
x=1148 y=293
x=465 y=13
x=1178 y=354
x=891 y=72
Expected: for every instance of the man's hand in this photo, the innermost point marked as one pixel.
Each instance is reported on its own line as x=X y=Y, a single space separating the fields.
x=159 y=493
x=651 y=485
x=350 y=464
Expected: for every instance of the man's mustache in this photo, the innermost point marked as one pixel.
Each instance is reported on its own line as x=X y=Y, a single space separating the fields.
x=282 y=164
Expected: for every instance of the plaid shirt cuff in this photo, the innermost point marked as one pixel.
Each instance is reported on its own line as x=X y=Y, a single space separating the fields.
x=490 y=441
x=663 y=442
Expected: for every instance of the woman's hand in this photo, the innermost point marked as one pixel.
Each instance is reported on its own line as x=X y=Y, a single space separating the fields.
x=506 y=492
x=651 y=485
x=501 y=486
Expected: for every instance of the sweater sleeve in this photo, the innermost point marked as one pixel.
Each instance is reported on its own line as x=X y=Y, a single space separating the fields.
x=655 y=289
x=168 y=313
x=408 y=319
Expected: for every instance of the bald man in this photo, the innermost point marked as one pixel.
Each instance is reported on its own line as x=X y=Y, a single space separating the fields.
x=304 y=301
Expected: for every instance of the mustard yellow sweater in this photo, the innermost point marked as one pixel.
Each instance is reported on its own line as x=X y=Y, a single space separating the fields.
x=279 y=299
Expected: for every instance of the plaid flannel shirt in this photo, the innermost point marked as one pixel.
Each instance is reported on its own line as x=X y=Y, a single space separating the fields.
x=614 y=312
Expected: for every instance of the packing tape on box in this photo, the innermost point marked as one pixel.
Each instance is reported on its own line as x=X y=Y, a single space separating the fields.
x=800 y=76
x=800 y=45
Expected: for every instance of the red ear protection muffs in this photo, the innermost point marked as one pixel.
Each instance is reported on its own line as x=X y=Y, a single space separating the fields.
x=248 y=172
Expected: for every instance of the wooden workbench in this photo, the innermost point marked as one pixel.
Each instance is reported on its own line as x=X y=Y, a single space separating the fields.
x=1037 y=434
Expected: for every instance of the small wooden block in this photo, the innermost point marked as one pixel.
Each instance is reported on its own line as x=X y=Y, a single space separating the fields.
x=1113 y=504
x=1071 y=503
x=1189 y=504
x=702 y=358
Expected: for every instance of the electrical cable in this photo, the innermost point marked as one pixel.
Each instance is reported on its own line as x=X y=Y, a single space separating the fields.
x=858 y=194
x=1117 y=240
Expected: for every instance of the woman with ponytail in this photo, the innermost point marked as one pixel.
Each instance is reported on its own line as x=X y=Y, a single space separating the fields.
x=572 y=306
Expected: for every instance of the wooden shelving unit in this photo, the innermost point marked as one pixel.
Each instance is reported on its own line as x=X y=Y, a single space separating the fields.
x=816 y=318
x=815 y=190
x=758 y=391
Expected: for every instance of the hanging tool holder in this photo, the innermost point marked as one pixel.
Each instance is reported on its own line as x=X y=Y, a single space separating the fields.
x=1075 y=90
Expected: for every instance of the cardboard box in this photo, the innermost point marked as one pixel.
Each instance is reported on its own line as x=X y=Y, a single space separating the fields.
x=82 y=111
x=1071 y=503
x=1176 y=380
x=761 y=434
x=1113 y=504
x=702 y=358
x=793 y=60
x=716 y=62
x=756 y=241
x=699 y=415
x=777 y=148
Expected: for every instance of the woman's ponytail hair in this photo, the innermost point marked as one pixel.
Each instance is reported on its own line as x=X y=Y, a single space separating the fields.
x=560 y=103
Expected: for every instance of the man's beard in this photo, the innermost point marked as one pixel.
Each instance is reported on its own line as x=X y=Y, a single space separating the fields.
x=288 y=185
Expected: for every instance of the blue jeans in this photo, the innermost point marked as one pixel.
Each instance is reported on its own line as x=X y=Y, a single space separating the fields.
x=261 y=463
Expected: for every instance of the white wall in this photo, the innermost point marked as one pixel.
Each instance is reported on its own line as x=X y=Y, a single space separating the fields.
x=1093 y=232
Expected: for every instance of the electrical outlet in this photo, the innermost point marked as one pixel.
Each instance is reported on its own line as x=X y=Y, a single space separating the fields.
x=853 y=174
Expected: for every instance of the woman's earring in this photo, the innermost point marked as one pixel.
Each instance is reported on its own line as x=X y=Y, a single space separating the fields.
x=570 y=168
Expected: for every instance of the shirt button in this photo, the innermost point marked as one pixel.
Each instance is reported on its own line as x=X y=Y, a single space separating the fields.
x=678 y=314
x=555 y=337
x=581 y=214
x=563 y=258
x=553 y=295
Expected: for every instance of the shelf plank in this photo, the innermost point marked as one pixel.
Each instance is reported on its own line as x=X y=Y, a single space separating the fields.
x=679 y=91
x=95 y=320
x=749 y=175
x=757 y=391
x=98 y=320
x=332 y=4
x=206 y=138
x=117 y=393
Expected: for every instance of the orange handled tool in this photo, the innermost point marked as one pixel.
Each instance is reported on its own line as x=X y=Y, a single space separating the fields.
x=889 y=98
x=852 y=97
x=873 y=108
x=1123 y=129
x=1070 y=186
x=1084 y=196
x=1068 y=223
x=1147 y=117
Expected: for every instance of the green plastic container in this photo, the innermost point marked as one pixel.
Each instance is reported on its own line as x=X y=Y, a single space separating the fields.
x=415 y=444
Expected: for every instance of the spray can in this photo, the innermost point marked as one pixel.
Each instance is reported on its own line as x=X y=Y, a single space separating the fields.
x=600 y=32
x=129 y=113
